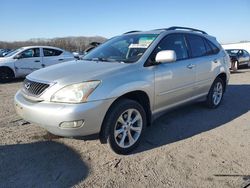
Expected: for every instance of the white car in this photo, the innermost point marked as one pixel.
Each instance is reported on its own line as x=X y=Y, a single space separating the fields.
x=25 y=60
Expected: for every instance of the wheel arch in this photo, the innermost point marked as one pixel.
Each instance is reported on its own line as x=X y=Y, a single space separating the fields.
x=139 y=96
x=223 y=77
x=8 y=68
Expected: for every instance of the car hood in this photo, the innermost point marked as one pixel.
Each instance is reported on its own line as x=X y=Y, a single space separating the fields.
x=4 y=59
x=76 y=71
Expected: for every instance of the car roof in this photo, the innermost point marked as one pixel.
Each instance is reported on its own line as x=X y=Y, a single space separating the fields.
x=174 y=29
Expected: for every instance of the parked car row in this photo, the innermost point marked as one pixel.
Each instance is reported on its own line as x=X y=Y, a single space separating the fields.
x=21 y=62
x=121 y=86
x=25 y=60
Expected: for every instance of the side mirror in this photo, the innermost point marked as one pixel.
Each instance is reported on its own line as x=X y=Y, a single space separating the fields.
x=18 y=56
x=165 y=56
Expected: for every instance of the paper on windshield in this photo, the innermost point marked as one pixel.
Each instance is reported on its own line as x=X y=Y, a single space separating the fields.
x=144 y=42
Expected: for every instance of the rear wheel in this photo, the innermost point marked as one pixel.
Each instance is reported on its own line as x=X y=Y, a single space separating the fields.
x=236 y=65
x=215 y=94
x=125 y=124
x=6 y=75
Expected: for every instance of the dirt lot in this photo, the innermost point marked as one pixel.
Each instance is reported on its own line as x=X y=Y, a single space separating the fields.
x=189 y=147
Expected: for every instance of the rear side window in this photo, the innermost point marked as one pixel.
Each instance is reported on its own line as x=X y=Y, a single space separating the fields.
x=214 y=47
x=208 y=48
x=197 y=46
x=245 y=53
x=51 y=52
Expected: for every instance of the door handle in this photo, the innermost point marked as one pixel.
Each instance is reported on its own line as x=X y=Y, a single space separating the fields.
x=190 y=66
x=43 y=65
x=37 y=61
x=60 y=59
x=215 y=60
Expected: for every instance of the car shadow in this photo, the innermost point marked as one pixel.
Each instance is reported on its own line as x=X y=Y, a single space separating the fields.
x=16 y=80
x=194 y=119
x=40 y=164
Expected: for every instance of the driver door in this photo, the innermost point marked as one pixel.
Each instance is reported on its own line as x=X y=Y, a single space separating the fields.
x=28 y=61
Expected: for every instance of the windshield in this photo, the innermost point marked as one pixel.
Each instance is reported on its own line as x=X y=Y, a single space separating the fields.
x=125 y=48
x=14 y=52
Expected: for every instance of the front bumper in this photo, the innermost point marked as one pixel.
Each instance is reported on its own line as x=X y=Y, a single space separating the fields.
x=50 y=115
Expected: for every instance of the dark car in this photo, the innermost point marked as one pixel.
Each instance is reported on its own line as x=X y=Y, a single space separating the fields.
x=239 y=58
x=91 y=46
x=4 y=52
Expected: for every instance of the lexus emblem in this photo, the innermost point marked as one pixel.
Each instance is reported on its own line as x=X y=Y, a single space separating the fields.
x=27 y=86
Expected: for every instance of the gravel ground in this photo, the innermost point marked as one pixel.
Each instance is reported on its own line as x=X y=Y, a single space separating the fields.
x=188 y=147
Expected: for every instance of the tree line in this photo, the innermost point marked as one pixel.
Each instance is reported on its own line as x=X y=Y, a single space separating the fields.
x=72 y=44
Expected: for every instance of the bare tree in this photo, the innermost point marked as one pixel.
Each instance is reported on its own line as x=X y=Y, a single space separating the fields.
x=67 y=43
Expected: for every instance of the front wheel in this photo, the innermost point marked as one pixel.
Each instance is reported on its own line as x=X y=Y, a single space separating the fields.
x=6 y=75
x=215 y=94
x=125 y=122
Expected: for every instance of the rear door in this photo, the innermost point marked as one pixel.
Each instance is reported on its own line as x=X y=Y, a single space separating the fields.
x=174 y=82
x=28 y=61
x=52 y=56
x=204 y=57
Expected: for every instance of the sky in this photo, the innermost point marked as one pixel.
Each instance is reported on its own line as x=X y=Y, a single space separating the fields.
x=227 y=20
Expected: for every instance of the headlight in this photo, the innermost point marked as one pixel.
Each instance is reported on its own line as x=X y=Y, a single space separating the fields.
x=75 y=93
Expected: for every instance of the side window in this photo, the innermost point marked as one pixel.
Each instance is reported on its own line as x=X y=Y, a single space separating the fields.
x=208 y=48
x=174 y=42
x=33 y=52
x=214 y=47
x=197 y=46
x=51 y=52
x=246 y=53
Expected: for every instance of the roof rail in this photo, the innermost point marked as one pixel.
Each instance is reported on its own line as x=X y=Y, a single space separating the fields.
x=131 y=32
x=185 y=28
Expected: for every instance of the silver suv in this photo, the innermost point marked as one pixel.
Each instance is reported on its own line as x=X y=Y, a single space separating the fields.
x=119 y=88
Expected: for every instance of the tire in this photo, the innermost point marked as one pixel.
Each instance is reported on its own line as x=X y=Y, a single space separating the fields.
x=124 y=124
x=215 y=94
x=6 y=75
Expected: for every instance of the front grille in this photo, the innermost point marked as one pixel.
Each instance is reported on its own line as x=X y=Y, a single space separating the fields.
x=34 y=88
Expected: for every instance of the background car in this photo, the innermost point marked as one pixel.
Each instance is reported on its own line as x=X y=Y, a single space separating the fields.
x=25 y=60
x=4 y=52
x=239 y=58
x=91 y=46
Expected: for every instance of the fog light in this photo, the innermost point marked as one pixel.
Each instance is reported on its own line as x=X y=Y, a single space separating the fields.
x=72 y=124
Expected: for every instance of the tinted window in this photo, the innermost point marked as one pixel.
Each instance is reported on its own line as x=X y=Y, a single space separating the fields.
x=172 y=42
x=51 y=52
x=34 y=52
x=246 y=53
x=197 y=46
x=214 y=47
x=208 y=48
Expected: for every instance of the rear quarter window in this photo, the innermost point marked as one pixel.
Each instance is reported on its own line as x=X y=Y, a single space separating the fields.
x=215 y=49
